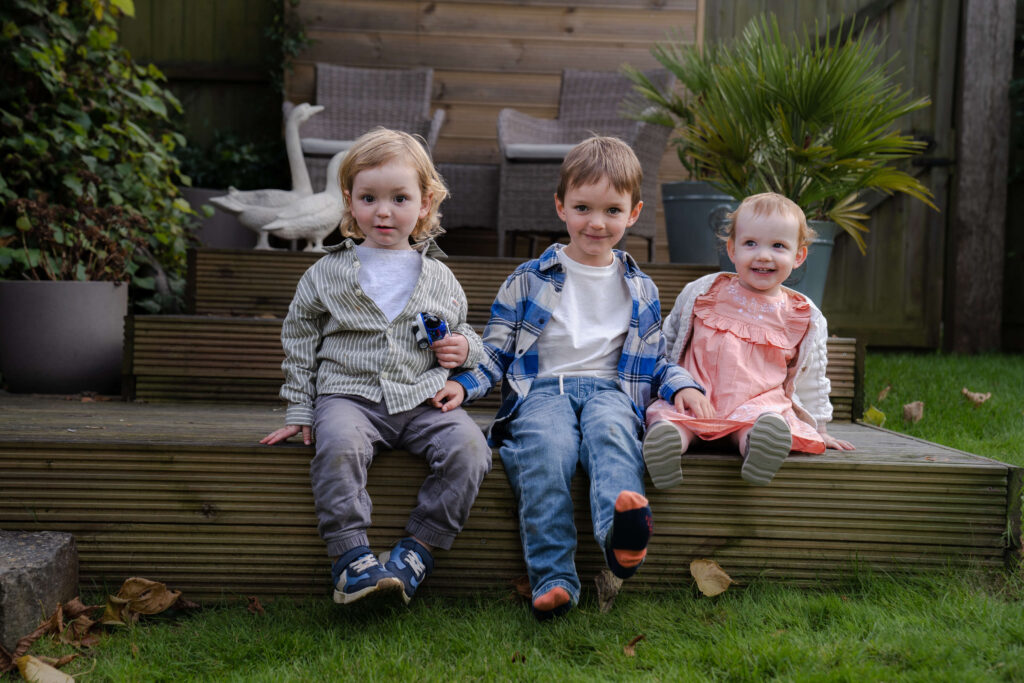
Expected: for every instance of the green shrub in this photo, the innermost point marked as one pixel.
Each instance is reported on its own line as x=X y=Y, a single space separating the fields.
x=88 y=180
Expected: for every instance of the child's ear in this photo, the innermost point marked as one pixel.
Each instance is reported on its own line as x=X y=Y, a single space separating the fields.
x=730 y=249
x=635 y=213
x=801 y=256
x=559 y=207
x=425 y=203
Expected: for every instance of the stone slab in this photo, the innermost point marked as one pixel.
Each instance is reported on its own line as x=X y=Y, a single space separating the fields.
x=38 y=571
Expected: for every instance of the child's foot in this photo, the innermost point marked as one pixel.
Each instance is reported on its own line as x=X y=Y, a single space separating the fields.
x=357 y=574
x=554 y=603
x=663 y=454
x=768 y=444
x=410 y=562
x=626 y=543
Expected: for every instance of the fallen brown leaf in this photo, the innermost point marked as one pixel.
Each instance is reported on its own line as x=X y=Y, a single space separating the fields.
x=913 y=412
x=74 y=608
x=58 y=662
x=608 y=587
x=521 y=584
x=37 y=671
x=884 y=392
x=711 y=578
x=630 y=648
x=77 y=629
x=975 y=397
x=138 y=596
x=254 y=606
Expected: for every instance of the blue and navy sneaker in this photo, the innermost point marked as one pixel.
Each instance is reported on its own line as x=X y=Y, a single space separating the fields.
x=357 y=574
x=410 y=562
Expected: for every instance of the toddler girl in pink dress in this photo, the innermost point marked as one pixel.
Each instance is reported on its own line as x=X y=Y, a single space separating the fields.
x=757 y=347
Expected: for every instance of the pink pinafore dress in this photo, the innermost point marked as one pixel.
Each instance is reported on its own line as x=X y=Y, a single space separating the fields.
x=741 y=347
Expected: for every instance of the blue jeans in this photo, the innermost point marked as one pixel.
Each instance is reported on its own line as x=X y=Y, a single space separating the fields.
x=588 y=421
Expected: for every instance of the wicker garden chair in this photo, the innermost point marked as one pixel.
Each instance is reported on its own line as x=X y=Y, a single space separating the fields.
x=532 y=150
x=356 y=100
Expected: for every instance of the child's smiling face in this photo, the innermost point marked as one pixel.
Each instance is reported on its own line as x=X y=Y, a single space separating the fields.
x=596 y=216
x=387 y=202
x=765 y=249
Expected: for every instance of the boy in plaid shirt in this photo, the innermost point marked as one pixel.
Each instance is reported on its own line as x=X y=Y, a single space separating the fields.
x=575 y=338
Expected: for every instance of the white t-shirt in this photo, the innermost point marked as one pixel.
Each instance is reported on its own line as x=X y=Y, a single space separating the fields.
x=588 y=327
x=388 y=276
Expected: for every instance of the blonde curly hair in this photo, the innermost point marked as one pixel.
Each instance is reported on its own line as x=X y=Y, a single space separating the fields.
x=379 y=147
x=767 y=203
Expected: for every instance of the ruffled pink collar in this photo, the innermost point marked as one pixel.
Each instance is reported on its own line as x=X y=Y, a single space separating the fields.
x=780 y=321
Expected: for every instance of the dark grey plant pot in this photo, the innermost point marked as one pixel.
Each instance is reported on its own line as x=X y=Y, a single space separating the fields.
x=809 y=279
x=62 y=337
x=693 y=213
x=221 y=230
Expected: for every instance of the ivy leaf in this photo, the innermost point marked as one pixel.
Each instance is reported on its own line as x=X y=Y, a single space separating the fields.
x=126 y=6
x=73 y=184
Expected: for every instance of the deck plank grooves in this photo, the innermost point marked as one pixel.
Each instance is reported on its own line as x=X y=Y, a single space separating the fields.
x=190 y=498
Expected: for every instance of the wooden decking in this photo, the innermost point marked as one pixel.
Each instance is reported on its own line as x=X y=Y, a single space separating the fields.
x=183 y=493
x=178 y=489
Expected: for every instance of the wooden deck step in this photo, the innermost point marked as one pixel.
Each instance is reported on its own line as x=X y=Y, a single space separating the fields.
x=209 y=358
x=184 y=494
x=230 y=282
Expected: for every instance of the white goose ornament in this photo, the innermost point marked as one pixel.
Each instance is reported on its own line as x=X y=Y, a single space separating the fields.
x=313 y=218
x=256 y=208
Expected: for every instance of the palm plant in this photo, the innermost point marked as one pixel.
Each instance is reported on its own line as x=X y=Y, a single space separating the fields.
x=812 y=118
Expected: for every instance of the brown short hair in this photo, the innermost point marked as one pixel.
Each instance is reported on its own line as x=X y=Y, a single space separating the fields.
x=380 y=146
x=769 y=203
x=602 y=158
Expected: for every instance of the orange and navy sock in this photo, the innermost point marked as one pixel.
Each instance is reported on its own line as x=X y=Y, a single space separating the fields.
x=626 y=543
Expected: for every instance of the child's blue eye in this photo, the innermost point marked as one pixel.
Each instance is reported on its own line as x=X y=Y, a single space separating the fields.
x=400 y=199
x=615 y=211
x=366 y=198
x=580 y=207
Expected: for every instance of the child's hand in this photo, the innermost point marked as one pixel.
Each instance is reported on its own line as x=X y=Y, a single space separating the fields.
x=287 y=432
x=834 y=443
x=695 y=401
x=449 y=397
x=451 y=351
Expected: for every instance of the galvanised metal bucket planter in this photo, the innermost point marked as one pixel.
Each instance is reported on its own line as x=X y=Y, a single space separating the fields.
x=694 y=211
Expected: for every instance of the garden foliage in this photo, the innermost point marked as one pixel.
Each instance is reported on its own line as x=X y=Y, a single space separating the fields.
x=88 y=180
x=813 y=117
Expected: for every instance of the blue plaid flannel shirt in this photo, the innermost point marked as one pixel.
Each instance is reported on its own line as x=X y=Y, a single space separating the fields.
x=523 y=306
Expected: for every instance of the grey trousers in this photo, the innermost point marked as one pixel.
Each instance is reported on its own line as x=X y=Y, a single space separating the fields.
x=349 y=430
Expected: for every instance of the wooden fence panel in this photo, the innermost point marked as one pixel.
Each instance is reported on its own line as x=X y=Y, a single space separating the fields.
x=492 y=54
x=212 y=53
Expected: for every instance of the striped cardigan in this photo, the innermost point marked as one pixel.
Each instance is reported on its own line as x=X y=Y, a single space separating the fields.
x=337 y=341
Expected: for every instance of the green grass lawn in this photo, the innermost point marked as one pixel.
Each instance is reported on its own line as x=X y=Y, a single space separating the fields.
x=950 y=627
x=994 y=428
